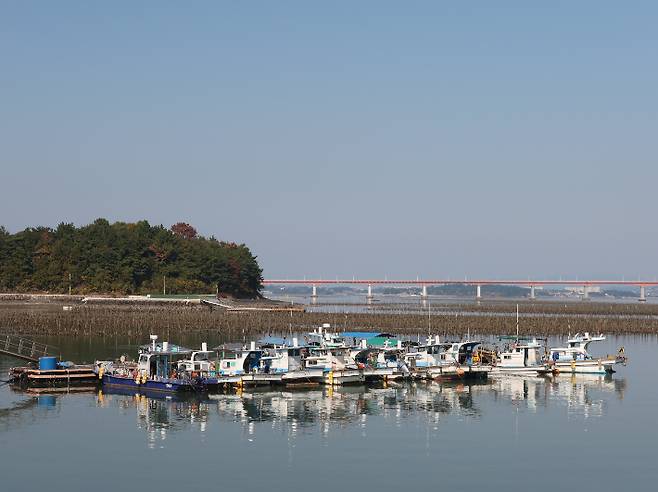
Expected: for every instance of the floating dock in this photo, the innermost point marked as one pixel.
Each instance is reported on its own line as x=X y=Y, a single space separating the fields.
x=73 y=376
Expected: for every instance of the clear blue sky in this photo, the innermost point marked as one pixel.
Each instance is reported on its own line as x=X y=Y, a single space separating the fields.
x=493 y=139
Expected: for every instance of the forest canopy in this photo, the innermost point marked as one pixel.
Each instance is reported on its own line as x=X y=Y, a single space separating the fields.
x=126 y=258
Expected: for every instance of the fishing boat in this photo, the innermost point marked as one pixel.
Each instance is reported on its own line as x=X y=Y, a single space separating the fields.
x=155 y=370
x=459 y=360
x=575 y=359
x=377 y=358
x=431 y=354
x=198 y=362
x=245 y=360
x=445 y=360
x=328 y=359
x=520 y=357
x=322 y=337
x=336 y=363
x=282 y=358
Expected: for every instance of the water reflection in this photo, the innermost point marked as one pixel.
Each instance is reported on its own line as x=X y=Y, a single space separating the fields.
x=326 y=410
x=584 y=395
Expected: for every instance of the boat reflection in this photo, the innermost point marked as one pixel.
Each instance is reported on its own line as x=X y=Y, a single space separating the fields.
x=326 y=409
x=582 y=394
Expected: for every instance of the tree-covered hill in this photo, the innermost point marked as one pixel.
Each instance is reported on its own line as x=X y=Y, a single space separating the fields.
x=125 y=258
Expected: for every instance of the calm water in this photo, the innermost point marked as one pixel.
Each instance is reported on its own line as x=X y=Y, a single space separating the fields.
x=512 y=433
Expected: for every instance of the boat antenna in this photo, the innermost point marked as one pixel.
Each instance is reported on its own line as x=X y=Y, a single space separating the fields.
x=517 y=322
x=429 y=318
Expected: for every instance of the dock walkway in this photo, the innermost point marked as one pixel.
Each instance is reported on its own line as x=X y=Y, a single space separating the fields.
x=24 y=349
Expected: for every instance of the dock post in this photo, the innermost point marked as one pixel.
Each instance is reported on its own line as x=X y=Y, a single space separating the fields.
x=532 y=292
x=314 y=294
x=478 y=292
x=643 y=297
x=369 y=297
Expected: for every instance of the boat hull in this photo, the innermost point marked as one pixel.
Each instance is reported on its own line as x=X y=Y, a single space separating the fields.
x=164 y=386
x=584 y=367
x=451 y=372
x=348 y=376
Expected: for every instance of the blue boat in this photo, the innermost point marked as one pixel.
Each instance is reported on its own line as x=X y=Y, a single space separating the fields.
x=168 y=385
x=155 y=371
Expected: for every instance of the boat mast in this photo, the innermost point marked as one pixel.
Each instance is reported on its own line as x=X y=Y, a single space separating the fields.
x=517 y=322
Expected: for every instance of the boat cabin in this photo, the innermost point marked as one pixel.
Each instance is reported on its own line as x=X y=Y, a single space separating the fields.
x=576 y=349
x=158 y=360
x=198 y=362
x=329 y=359
x=282 y=359
x=462 y=352
x=433 y=353
x=520 y=354
x=322 y=337
x=241 y=361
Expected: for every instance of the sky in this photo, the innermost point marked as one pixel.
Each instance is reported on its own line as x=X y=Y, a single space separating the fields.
x=368 y=139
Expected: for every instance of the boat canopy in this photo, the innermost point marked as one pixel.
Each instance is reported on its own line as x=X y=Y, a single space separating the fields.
x=171 y=349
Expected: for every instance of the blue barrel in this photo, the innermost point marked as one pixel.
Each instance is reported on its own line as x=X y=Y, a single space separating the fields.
x=47 y=363
x=46 y=401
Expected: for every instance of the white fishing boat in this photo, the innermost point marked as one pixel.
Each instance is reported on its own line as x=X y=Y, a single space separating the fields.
x=433 y=353
x=445 y=360
x=380 y=364
x=337 y=365
x=459 y=360
x=329 y=359
x=199 y=362
x=281 y=359
x=575 y=359
x=322 y=337
x=238 y=362
x=521 y=357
